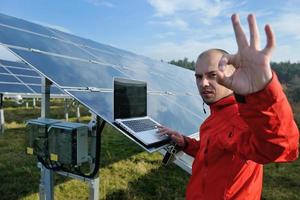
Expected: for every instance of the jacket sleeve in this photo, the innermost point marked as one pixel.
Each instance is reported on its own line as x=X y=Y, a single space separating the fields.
x=191 y=147
x=271 y=134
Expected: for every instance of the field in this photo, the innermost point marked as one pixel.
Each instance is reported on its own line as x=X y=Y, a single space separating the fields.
x=127 y=172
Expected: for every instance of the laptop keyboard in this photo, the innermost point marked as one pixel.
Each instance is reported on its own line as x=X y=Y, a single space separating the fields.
x=140 y=125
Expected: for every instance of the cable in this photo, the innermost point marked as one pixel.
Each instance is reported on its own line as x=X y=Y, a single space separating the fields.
x=57 y=166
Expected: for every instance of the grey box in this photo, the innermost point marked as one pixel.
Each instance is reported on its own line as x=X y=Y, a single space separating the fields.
x=37 y=135
x=68 y=143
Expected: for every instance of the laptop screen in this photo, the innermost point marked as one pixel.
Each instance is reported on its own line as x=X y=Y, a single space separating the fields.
x=130 y=98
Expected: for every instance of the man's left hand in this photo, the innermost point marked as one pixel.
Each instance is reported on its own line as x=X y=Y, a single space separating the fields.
x=253 y=71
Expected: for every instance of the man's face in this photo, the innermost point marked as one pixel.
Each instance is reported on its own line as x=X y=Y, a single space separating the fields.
x=206 y=78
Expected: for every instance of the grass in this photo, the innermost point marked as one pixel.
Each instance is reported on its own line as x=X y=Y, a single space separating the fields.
x=127 y=172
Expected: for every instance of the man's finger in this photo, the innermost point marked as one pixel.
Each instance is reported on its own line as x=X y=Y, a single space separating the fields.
x=254 y=33
x=239 y=33
x=224 y=80
x=270 y=40
x=228 y=59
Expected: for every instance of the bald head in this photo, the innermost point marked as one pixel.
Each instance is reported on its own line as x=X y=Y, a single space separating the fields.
x=206 y=76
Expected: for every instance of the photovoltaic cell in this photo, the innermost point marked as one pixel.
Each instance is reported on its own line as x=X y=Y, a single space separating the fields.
x=20 y=23
x=67 y=72
x=91 y=44
x=14 y=37
x=18 y=77
x=30 y=80
x=8 y=78
x=14 y=88
x=8 y=63
x=3 y=70
x=19 y=71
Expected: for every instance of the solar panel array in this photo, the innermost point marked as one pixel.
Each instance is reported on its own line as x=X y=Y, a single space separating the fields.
x=85 y=70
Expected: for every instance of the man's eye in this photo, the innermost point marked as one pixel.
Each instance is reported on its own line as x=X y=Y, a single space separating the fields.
x=213 y=75
x=198 y=77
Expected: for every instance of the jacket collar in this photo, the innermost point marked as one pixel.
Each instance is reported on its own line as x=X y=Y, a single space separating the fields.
x=222 y=103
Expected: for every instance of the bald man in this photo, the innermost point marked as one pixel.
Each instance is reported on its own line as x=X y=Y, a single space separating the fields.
x=251 y=121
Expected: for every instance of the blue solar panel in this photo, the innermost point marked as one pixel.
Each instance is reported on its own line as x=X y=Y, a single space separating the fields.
x=14 y=88
x=20 y=23
x=14 y=64
x=19 y=71
x=3 y=70
x=19 y=38
x=30 y=80
x=18 y=77
x=68 y=72
x=8 y=78
x=89 y=44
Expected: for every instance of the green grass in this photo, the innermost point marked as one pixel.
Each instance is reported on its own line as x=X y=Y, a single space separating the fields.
x=127 y=172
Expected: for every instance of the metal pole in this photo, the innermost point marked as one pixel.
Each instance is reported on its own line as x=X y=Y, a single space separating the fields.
x=33 y=103
x=47 y=177
x=78 y=112
x=94 y=188
x=1 y=114
x=66 y=110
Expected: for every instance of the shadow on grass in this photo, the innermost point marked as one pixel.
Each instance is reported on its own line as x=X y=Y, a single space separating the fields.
x=19 y=174
x=116 y=147
x=166 y=183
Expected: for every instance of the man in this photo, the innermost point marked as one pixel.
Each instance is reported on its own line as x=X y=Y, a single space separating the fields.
x=251 y=122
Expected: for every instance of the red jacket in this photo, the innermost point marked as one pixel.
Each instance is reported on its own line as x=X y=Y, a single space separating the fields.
x=236 y=140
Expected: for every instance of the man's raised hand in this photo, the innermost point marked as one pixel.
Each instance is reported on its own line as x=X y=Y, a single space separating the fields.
x=253 y=71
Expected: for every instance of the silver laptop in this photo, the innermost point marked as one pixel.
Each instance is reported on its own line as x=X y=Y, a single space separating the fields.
x=130 y=112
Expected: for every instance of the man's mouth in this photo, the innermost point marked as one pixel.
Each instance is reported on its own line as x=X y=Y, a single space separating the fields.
x=207 y=93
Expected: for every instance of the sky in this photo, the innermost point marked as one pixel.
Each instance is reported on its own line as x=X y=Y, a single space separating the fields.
x=165 y=29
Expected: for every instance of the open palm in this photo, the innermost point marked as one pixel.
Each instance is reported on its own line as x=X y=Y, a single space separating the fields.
x=253 y=71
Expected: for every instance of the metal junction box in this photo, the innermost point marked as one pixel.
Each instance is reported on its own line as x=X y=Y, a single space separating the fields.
x=37 y=135
x=68 y=143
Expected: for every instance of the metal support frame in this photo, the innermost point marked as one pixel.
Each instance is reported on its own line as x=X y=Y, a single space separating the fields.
x=1 y=114
x=46 y=191
x=77 y=111
x=66 y=109
x=33 y=102
x=46 y=187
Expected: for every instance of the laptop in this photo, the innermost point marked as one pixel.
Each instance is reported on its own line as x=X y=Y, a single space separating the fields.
x=130 y=112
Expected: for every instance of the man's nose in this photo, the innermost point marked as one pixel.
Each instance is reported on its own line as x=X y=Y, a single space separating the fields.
x=204 y=82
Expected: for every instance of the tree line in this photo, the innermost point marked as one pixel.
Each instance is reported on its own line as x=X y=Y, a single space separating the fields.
x=287 y=72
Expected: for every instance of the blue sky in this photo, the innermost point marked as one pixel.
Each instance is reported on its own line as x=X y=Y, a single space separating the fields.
x=165 y=29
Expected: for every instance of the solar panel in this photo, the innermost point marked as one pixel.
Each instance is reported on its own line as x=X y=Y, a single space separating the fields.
x=22 y=24
x=85 y=70
x=18 y=77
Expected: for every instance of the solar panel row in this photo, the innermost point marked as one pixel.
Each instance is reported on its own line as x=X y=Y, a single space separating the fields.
x=71 y=61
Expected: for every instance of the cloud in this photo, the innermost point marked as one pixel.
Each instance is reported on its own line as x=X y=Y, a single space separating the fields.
x=173 y=23
x=165 y=35
x=206 y=24
x=288 y=24
x=100 y=3
x=53 y=26
x=211 y=8
x=173 y=50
